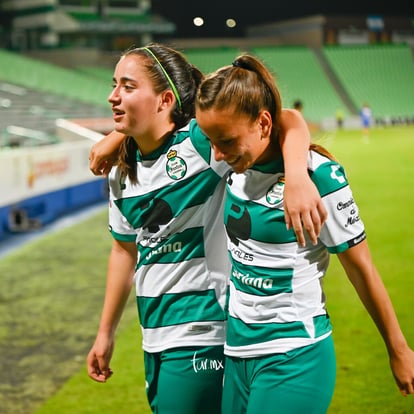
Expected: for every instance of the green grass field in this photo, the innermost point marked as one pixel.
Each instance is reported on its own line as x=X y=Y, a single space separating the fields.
x=52 y=292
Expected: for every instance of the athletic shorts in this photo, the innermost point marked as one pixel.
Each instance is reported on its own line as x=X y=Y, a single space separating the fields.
x=300 y=381
x=185 y=380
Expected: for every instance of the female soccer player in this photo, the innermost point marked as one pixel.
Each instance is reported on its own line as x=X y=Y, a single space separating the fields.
x=279 y=352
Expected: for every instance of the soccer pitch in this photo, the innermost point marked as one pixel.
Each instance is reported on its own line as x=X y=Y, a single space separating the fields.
x=53 y=287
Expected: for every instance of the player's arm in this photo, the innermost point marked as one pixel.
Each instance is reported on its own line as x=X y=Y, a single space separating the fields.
x=303 y=205
x=120 y=275
x=104 y=153
x=367 y=282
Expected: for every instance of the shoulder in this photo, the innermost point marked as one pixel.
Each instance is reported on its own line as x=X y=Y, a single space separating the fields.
x=200 y=141
x=328 y=175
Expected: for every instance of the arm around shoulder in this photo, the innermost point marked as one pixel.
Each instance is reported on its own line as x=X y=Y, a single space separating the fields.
x=303 y=205
x=104 y=153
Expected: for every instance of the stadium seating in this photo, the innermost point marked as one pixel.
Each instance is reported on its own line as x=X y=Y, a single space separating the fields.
x=381 y=75
x=333 y=78
x=299 y=75
x=33 y=94
x=43 y=76
x=97 y=72
x=210 y=59
x=327 y=80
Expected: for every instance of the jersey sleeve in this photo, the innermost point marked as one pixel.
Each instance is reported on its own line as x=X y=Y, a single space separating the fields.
x=202 y=145
x=119 y=226
x=344 y=227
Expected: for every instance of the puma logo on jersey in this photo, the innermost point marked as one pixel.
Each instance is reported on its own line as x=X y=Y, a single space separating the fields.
x=165 y=248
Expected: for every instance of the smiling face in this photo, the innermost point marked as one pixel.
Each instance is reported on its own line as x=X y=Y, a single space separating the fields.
x=235 y=138
x=137 y=109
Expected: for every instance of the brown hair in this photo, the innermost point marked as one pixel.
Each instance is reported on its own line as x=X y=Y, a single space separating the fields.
x=167 y=69
x=247 y=86
x=323 y=151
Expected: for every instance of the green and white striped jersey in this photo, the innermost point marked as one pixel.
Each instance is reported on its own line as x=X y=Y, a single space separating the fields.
x=277 y=301
x=175 y=215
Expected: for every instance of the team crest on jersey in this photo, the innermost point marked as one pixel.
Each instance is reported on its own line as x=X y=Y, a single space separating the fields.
x=274 y=194
x=176 y=166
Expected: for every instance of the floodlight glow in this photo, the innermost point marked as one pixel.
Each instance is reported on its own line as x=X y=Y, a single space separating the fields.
x=231 y=23
x=198 y=21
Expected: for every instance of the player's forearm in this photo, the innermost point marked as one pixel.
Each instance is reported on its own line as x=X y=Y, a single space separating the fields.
x=378 y=304
x=115 y=299
x=374 y=296
x=295 y=142
x=115 y=139
x=104 y=153
x=120 y=275
x=108 y=146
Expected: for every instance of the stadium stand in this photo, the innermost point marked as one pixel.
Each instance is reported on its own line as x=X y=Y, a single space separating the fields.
x=382 y=75
x=333 y=79
x=327 y=80
x=33 y=94
x=49 y=171
x=43 y=76
x=37 y=111
x=212 y=58
x=300 y=76
x=101 y=73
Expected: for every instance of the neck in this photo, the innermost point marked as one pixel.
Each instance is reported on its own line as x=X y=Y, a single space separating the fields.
x=271 y=153
x=150 y=143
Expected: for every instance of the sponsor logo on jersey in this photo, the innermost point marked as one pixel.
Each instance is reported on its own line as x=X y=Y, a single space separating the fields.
x=148 y=240
x=206 y=364
x=357 y=240
x=246 y=257
x=352 y=219
x=156 y=213
x=353 y=212
x=257 y=282
x=274 y=194
x=175 y=247
x=239 y=224
x=345 y=204
x=176 y=167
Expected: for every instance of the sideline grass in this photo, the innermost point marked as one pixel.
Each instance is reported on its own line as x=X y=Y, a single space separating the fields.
x=381 y=174
x=50 y=299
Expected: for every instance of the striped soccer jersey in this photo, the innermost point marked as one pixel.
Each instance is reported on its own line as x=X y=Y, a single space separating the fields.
x=277 y=301
x=175 y=216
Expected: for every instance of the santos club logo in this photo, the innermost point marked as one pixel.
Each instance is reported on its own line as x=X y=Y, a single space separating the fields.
x=176 y=166
x=274 y=194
